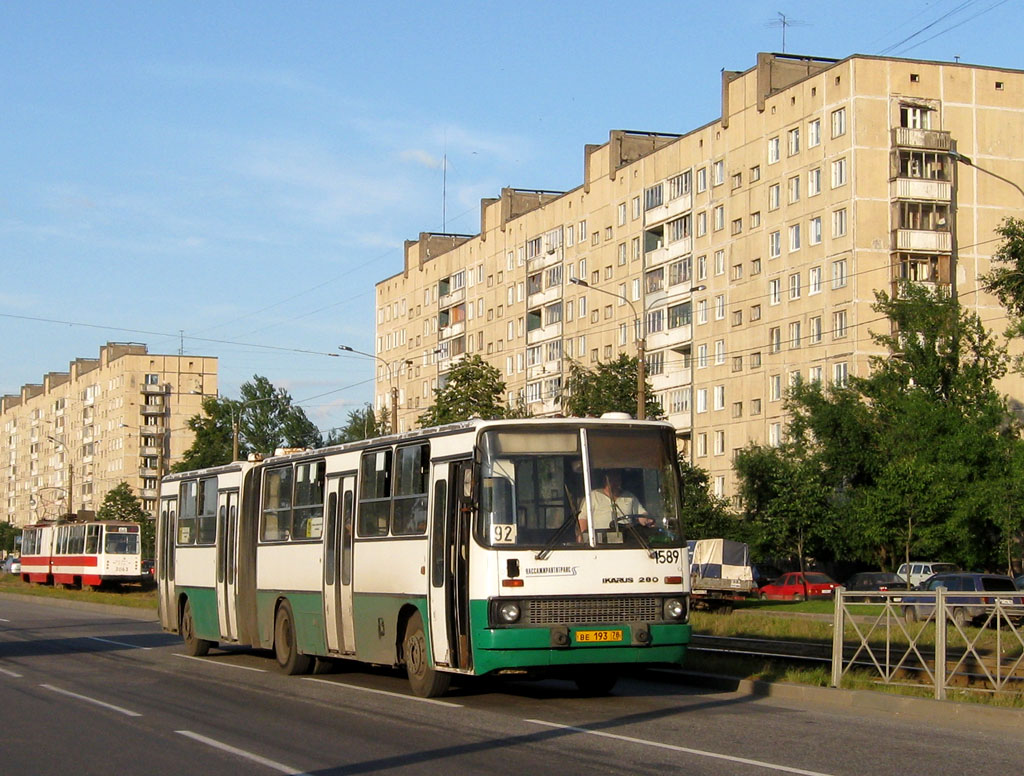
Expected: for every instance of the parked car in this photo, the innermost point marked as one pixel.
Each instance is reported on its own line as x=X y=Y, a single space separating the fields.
x=874 y=581
x=1019 y=582
x=764 y=573
x=964 y=610
x=12 y=565
x=794 y=586
x=920 y=570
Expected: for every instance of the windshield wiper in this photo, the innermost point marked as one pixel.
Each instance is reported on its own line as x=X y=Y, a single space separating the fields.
x=628 y=520
x=546 y=550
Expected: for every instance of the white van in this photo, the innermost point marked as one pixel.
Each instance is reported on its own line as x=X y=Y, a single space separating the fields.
x=920 y=570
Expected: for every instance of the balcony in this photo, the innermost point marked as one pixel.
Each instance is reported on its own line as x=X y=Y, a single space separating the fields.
x=452 y=298
x=545 y=297
x=150 y=493
x=921 y=138
x=146 y=471
x=154 y=390
x=454 y=330
x=921 y=240
x=668 y=210
x=543 y=260
x=544 y=333
x=670 y=338
x=921 y=189
x=153 y=409
x=149 y=452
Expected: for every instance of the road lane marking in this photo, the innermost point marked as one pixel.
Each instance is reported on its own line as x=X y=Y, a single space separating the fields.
x=280 y=767
x=104 y=704
x=118 y=643
x=385 y=692
x=687 y=750
x=225 y=665
x=4 y=619
x=10 y=673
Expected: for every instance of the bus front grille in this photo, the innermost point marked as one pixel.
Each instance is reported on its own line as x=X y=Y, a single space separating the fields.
x=585 y=611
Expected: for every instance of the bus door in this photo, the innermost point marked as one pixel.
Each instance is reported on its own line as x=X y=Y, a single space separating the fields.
x=165 y=564
x=449 y=566
x=227 y=563
x=338 y=564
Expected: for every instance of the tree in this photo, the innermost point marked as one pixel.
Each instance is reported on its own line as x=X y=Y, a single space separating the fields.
x=121 y=504
x=266 y=419
x=1006 y=278
x=474 y=389
x=9 y=536
x=363 y=423
x=610 y=387
x=705 y=516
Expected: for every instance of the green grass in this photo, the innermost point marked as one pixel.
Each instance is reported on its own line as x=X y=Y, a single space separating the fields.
x=128 y=595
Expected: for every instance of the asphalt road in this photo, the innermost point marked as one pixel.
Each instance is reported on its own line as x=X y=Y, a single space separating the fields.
x=92 y=692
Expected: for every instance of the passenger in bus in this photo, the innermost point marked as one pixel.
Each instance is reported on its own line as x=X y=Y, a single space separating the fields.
x=610 y=502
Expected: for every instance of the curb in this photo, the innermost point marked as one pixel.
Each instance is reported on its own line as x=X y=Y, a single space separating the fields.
x=918 y=709
x=126 y=612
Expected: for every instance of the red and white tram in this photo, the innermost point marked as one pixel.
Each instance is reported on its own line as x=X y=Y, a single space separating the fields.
x=81 y=553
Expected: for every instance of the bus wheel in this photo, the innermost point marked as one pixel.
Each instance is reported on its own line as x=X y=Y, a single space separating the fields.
x=426 y=682
x=285 y=647
x=595 y=682
x=194 y=646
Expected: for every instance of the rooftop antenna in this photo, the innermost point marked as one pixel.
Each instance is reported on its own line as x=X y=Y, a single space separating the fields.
x=785 y=22
x=444 y=185
x=181 y=342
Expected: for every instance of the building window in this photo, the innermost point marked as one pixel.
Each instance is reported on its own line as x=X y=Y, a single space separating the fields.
x=755 y=313
x=840 y=375
x=839 y=122
x=794 y=334
x=755 y=360
x=702 y=224
x=794 y=189
x=702 y=311
x=814 y=374
x=774 y=291
x=737 y=317
x=755 y=219
x=814 y=329
x=815 y=236
x=737 y=226
x=915 y=117
x=839 y=324
x=720 y=307
x=775 y=434
x=737 y=363
x=719 y=262
x=719 y=398
x=794 y=286
x=838 y=173
x=737 y=272
x=774 y=387
x=773 y=150
x=814 y=182
x=679 y=315
x=702 y=356
x=702 y=267
x=774 y=245
x=774 y=339
x=636 y=208
x=719 y=217
x=702 y=400
x=839 y=273
x=773 y=196
x=814 y=281
x=653 y=197
x=737 y=180
x=719 y=352
x=814 y=133
x=702 y=179
x=679 y=185
x=793 y=137
x=720 y=446
x=755 y=173
x=718 y=173
x=794 y=238
x=702 y=445
x=755 y=266
x=622 y=214
x=839 y=222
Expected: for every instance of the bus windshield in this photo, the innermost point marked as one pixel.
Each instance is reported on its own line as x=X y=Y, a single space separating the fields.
x=576 y=488
x=121 y=543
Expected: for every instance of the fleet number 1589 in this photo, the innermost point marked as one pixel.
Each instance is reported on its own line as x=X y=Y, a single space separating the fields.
x=666 y=556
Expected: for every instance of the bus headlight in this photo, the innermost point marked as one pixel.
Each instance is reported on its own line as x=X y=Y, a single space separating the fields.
x=674 y=609
x=509 y=612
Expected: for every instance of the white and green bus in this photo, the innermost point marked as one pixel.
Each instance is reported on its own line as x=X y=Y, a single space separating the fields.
x=484 y=547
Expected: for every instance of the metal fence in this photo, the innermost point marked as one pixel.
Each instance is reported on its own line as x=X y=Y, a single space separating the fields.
x=942 y=639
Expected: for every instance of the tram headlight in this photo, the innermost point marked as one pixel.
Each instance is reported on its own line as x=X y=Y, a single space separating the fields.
x=509 y=612
x=674 y=609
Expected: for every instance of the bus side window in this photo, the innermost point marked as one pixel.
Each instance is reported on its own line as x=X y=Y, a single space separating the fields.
x=375 y=493
x=437 y=535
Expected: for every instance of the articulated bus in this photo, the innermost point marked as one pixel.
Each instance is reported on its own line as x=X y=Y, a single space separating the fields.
x=81 y=553
x=483 y=547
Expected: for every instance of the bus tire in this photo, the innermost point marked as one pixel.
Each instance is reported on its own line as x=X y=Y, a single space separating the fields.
x=286 y=648
x=426 y=682
x=596 y=681
x=194 y=646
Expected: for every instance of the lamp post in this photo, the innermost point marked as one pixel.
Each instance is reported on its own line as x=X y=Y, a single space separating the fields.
x=71 y=474
x=391 y=382
x=641 y=343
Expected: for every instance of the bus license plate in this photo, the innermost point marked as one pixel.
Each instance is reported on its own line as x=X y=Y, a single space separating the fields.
x=593 y=636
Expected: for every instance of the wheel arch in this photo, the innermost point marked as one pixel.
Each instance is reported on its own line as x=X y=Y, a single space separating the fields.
x=405 y=614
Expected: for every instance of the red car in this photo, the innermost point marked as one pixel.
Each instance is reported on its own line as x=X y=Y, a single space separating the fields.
x=792 y=587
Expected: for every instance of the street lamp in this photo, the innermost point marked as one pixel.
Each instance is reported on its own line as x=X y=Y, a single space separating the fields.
x=959 y=157
x=71 y=474
x=641 y=342
x=391 y=382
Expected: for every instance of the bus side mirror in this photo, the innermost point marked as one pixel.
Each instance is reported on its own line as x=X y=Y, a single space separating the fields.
x=467 y=485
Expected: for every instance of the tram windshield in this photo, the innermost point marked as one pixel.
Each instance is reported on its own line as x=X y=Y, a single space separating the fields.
x=121 y=543
x=579 y=488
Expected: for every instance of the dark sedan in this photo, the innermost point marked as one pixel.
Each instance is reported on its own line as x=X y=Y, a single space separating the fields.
x=875 y=582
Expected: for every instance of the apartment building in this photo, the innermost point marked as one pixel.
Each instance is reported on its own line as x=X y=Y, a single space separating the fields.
x=746 y=252
x=76 y=435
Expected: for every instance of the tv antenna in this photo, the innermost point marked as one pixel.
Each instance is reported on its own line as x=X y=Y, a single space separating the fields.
x=785 y=22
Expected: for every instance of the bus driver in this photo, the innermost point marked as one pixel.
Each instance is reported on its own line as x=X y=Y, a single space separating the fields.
x=610 y=502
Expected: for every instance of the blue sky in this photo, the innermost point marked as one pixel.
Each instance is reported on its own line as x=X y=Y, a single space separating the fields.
x=219 y=176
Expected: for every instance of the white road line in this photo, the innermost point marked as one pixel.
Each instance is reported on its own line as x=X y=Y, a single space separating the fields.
x=118 y=643
x=385 y=692
x=2 y=619
x=223 y=665
x=111 y=706
x=280 y=767
x=698 y=752
x=10 y=673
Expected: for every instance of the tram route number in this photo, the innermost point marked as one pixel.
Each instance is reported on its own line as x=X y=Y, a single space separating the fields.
x=666 y=556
